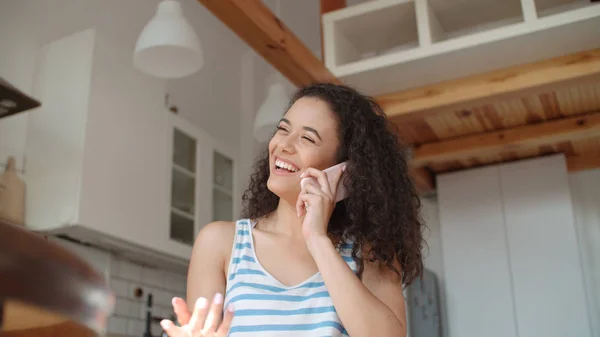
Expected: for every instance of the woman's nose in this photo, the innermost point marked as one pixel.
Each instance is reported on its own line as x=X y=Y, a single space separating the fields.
x=287 y=144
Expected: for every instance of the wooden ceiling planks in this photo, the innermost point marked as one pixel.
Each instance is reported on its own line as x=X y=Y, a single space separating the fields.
x=576 y=158
x=514 y=112
x=491 y=87
x=532 y=110
x=508 y=140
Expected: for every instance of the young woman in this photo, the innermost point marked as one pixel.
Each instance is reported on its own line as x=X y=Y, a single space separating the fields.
x=299 y=264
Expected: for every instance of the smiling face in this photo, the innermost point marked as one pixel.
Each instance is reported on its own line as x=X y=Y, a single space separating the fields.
x=307 y=136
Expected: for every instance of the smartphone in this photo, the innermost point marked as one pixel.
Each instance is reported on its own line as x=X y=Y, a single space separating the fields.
x=342 y=191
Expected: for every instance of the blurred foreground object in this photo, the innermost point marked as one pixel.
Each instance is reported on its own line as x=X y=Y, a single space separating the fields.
x=47 y=291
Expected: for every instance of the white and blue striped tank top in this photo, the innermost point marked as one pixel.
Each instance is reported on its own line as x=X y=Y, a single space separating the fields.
x=264 y=307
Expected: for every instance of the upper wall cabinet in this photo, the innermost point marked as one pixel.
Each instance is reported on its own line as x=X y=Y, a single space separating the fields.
x=201 y=181
x=382 y=46
x=96 y=153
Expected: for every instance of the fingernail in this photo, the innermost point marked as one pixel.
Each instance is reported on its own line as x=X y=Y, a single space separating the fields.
x=174 y=300
x=302 y=175
x=201 y=303
x=230 y=308
x=166 y=324
x=218 y=298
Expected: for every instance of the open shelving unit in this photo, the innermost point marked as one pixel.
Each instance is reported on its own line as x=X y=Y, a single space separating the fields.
x=381 y=46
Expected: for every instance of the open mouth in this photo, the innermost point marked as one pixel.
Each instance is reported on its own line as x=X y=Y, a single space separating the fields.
x=282 y=166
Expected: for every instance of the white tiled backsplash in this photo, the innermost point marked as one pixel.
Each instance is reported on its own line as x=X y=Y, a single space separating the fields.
x=124 y=277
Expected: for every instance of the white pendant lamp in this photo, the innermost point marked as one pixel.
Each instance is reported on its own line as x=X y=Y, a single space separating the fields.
x=270 y=112
x=168 y=46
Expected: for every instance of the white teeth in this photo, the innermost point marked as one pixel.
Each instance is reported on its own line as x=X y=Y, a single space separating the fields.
x=286 y=166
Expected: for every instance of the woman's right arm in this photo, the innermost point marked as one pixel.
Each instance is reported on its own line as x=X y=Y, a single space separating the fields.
x=209 y=262
x=206 y=278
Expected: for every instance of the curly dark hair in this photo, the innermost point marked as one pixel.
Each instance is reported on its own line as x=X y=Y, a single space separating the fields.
x=382 y=211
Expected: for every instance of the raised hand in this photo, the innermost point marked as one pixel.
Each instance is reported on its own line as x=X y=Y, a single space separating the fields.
x=203 y=322
x=316 y=202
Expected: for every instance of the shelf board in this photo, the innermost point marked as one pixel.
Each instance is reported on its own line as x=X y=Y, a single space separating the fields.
x=184 y=214
x=223 y=190
x=183 y=170
x=546 y=37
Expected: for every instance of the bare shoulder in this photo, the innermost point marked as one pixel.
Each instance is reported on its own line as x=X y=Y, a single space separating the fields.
x=216 y=236
x=217 y=232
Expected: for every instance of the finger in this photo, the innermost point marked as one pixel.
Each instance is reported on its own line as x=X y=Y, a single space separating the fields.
x=299 y=206
x=321 y=177
x=314 y=190
x=199 y=316
x=181 y=310
x=212 y=321
x=226 y=324
x=310 y=200
x=172 y=330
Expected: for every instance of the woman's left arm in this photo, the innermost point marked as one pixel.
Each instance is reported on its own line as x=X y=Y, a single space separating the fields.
x=371 y=307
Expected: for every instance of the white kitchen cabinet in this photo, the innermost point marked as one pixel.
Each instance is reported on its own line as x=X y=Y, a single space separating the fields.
x=224 y=197
x=510 y=251
x=202 y=180
x=184 y=182
x=96 y=149
x=476 y=267
x=550 y=298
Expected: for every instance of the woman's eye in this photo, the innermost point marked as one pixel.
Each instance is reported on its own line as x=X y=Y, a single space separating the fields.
x=282 y=128
x=310 y=140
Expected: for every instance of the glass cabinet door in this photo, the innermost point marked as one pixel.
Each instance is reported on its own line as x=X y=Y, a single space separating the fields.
x=183 y=187
x=222 y=193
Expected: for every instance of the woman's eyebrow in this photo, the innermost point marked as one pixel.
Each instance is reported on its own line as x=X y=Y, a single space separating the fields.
x=307 y=128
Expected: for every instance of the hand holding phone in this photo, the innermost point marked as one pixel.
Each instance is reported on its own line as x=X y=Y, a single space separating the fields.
x=342 y=191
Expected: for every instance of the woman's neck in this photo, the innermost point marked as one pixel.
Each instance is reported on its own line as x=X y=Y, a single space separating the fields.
x=284 y=220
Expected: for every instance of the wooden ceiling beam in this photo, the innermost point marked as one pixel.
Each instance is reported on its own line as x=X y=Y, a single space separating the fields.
x=255 y=24
x=580 y=163
x=517 y=81
x=566 y=129
x=423 y=180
